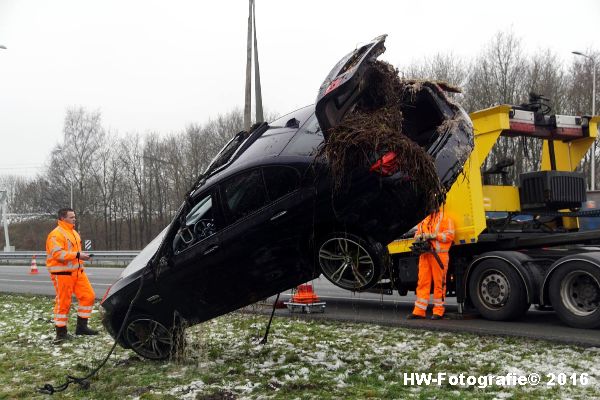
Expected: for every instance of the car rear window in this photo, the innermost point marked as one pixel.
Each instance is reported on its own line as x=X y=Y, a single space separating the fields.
x=301 y=115
x=270 y=143
x=307 y=140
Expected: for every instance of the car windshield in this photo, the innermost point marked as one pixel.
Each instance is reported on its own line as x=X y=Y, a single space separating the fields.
x=145 y=255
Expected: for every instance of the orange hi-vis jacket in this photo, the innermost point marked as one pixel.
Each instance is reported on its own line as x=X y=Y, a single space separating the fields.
x=443 y=229
x=62 y=246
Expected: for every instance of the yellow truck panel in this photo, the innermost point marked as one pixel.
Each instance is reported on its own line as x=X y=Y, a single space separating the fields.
x=468 y=199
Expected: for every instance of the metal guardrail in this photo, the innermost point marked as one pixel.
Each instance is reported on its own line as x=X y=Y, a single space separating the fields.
x=123 y=256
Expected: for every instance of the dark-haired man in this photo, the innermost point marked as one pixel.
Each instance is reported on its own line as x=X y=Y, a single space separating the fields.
x=64 y=260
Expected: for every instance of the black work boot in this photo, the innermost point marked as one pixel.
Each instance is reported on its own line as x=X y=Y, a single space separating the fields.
x=62 y=335
x=82 y=327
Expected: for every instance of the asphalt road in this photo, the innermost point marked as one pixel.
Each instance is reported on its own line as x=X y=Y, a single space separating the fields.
x=343 y=305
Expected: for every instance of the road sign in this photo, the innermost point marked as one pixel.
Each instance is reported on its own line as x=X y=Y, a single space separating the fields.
x=87 y=244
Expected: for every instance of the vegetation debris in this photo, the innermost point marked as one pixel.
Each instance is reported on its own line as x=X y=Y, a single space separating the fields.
x=375 y=127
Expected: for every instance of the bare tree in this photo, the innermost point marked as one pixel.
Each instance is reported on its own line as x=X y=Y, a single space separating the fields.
x=441 y=67
x=72 y=162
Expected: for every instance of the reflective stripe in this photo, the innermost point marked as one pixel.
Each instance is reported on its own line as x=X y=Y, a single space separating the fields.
x=55 y=249
x=86 y=307
x=422 y=300
x=446 y=234
x=61 y=316
x=419 y=305
x=440 y=216
x=443 y=250
x=81 y=314
x=57 y=268
x=62 y=256
x=60 y=228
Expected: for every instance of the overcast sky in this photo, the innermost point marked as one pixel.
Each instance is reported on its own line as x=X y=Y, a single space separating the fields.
x=156 y=66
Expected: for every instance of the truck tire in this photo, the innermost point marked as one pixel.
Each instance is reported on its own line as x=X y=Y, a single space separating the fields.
x=574 y=292
x=497 y=291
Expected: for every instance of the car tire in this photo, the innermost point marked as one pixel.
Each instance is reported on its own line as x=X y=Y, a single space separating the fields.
x=351 y=262
x=574 y=292
x=150 y=338
x=497 y=291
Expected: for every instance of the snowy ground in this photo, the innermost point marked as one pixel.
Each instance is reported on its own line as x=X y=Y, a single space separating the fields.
x=303 y=359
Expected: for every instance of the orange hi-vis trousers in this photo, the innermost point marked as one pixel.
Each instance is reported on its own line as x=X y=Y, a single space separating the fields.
x=429 y=269
x=66 y=284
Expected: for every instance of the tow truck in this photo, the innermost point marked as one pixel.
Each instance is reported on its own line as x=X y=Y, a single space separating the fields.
x=519 y=245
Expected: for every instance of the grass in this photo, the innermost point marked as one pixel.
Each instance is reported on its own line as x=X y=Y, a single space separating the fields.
x=303 y=359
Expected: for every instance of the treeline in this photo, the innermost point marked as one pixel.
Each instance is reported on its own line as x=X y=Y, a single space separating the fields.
x=126 y=189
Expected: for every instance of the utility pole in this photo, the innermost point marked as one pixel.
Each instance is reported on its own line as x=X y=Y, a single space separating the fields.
x=259 y=109
x=258 y=93
x=4 y=211
x=248 y=98
x=4 y=208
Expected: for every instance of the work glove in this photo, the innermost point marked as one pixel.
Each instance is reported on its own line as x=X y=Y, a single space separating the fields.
x=419 y=237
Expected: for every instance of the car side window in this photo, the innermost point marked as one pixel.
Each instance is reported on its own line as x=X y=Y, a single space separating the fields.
x=280 y=181
x=203 y=209
x=244 y=194
x=199 y=223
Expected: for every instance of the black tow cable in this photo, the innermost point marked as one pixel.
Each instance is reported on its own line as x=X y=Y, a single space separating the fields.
x=83 y=382
x=264 y=339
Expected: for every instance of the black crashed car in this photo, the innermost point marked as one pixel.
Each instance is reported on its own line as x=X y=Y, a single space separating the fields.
x=263 y=218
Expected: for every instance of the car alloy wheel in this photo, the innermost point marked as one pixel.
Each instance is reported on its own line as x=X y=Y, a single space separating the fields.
x=349 y=262
x=149 y=338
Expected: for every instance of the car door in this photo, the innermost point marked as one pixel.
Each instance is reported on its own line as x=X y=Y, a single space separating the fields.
x=196 y=259
x=244 y=200
x=258 y=240
x=287 y=231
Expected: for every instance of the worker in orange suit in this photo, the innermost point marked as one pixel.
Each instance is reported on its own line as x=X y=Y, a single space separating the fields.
x=437 y=229
x=64 y=260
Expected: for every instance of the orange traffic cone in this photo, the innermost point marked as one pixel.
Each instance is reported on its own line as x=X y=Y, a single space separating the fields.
x=305 y=295
x=34 y=268
x=305 y=300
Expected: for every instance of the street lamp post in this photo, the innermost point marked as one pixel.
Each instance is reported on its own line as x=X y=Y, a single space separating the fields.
x=593 y=60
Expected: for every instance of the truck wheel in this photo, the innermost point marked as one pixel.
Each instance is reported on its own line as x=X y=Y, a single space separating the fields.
x=575 y=295
x=497 y=291
x=351 y=262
